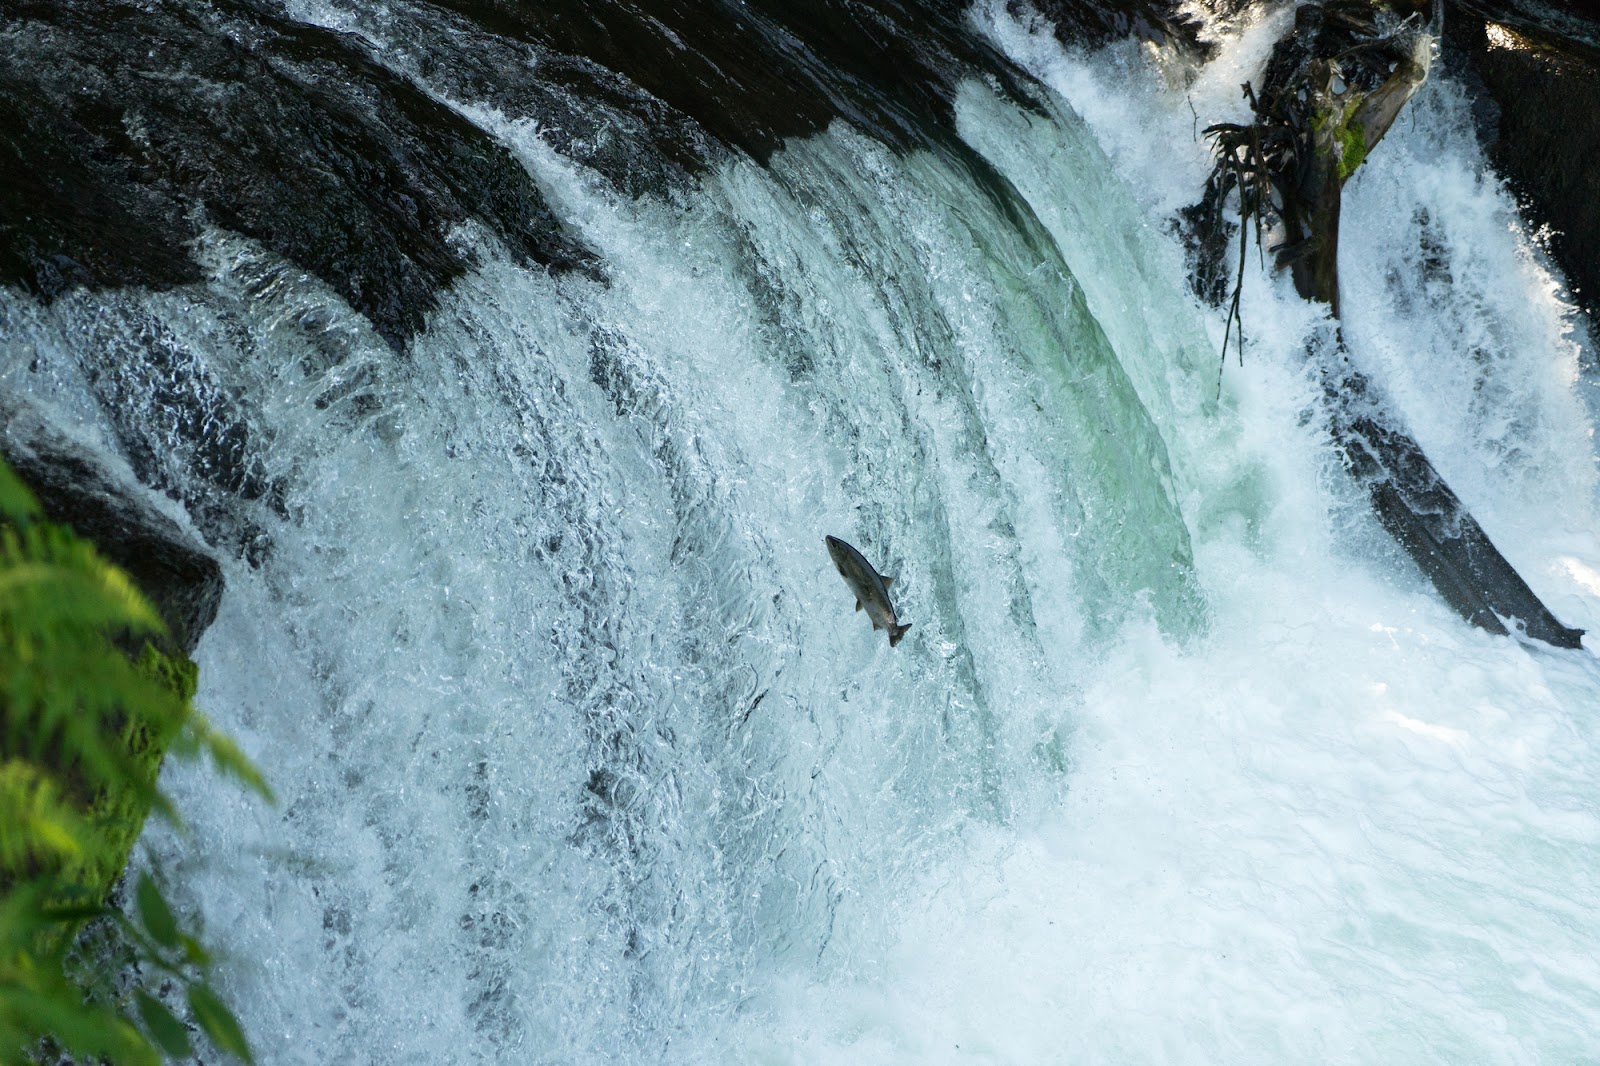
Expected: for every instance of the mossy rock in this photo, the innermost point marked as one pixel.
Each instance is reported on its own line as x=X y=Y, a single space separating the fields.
x=1352 y=149
x=1334 y=131
x=109 y=816
x=117 y=814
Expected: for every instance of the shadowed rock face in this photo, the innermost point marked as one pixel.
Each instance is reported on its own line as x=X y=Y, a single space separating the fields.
x=175 y=572
x=751 y=73
x=1092 y=23
x=130 y=126
x=1540 y=65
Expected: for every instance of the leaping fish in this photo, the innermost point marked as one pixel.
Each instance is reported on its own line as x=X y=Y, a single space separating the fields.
x=870 y=587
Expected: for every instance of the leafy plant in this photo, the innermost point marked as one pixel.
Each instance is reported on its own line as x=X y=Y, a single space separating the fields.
x=91 y=698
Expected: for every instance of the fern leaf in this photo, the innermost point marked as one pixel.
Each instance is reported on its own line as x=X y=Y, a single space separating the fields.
x=36 y=824
x=16 y=501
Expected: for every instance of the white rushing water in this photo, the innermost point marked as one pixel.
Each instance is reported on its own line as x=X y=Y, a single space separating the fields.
x=583 y=756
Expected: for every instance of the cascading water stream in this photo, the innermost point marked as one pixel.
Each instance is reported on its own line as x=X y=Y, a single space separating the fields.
x=582 y=755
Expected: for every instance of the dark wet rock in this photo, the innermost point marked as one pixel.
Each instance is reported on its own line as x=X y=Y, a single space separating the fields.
x=750 y=73
x=1555 y=22
x=1540 y=66
x=181 y=579
x=135 y=125
x=130 y=126
x=1428 y=520
x=1093 y=23
x=588 y=113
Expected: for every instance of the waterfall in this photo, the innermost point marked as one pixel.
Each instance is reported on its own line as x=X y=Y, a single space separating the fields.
x=582 y=754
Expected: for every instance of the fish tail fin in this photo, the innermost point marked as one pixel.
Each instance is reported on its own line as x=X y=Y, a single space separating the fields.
x=896 y=632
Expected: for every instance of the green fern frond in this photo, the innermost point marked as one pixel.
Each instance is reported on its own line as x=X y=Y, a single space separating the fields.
x=89 y=704
x=16 y=501
x=36 y=824
x=53 y=582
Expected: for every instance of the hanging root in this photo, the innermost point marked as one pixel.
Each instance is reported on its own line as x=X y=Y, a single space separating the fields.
x=1247 y=158
x=1330 y=90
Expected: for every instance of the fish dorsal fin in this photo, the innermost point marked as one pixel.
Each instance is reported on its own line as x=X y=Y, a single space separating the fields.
x=887 y=581
x=858 y=605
